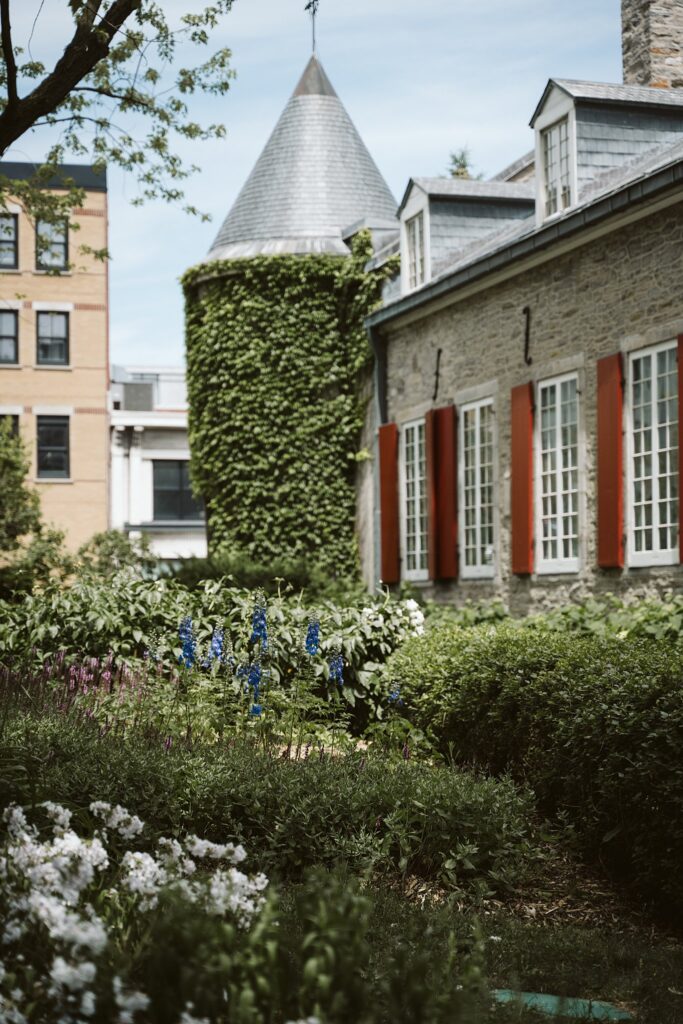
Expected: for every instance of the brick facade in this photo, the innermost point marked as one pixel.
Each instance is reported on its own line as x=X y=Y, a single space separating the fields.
x=620 y=291
x=77 y=505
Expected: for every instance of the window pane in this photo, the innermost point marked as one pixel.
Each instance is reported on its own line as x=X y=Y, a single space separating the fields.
x=51 y=245
x=53 y=446
x=8 y=240
x=415 y=497
x=53 y=338
x=654 y=447
x=477 y=485
x=559 y=477
x=9 y=328
x=173 y=497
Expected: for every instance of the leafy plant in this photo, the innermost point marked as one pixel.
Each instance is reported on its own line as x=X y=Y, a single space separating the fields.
x=595 y=725
x=276 y=356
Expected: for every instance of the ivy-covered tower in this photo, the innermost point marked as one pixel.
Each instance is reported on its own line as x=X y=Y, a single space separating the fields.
x=277 y=354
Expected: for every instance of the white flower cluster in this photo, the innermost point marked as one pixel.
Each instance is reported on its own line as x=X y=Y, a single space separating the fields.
x=127 y=825
x=415 y=617
x=407 y=618
x=47 y=887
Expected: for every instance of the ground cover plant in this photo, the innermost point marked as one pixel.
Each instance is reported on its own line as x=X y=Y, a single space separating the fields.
x=594 y=725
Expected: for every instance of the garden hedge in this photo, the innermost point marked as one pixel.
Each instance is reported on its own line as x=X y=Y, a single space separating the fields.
x=277 y=362
x=595 y=725
x=375 y=815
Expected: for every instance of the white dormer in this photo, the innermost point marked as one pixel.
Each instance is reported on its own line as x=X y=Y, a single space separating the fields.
x=554 y=124
x=415 y=250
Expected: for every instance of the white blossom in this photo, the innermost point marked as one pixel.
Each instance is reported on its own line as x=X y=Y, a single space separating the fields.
x=75 y=977
x=144 y=877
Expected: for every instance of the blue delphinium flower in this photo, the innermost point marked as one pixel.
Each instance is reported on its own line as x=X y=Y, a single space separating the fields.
x=255 y=710
x=188 y=643
x=259 y=629
x=254 y=679
x=395 y=696
x=215 y=652
x=337 y=669
x=313 y=637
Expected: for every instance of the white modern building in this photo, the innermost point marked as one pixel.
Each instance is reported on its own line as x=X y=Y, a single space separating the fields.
x=150 y=460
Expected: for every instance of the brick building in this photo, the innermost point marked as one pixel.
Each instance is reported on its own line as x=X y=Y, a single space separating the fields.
x=527 y=359
x=54 y=373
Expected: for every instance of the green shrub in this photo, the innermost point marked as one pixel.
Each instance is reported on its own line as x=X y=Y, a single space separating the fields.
x=100 y=923
x=127 y=617
x=609 y=616
x=595 y=725
x=405 y=817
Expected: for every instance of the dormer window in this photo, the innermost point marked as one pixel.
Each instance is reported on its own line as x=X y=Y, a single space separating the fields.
x=416 y=251
x=556 y=167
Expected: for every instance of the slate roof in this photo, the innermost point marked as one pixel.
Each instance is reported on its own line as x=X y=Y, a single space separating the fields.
x=514 y=168
x=468 y=188
x=601 y=92
x=614 y=188
x=313 y=179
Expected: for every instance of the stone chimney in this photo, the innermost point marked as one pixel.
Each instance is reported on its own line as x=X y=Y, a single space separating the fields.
x=652 y=42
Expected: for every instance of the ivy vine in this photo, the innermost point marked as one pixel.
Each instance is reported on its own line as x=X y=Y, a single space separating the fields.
x=277 y=355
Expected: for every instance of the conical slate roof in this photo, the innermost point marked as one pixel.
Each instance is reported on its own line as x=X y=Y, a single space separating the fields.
x=314 y=179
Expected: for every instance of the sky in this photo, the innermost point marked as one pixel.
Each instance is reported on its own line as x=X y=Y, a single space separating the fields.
x=419 y=79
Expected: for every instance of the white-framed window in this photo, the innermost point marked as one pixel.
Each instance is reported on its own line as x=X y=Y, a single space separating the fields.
x=414 y=500
x=652 y=477
x=557 y=474
x=556 y=167
x=416 y=250
x=476 y=484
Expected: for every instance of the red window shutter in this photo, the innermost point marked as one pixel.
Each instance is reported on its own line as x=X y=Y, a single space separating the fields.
x=610 y=462
x=388 y=503
x=680 y=447
x=440 y=447
x=522 y=482
x=431 y=455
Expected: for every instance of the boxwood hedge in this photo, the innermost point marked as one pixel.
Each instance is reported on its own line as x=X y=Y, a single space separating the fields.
x=595 y=725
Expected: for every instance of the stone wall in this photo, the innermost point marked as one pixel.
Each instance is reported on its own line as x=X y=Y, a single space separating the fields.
x=622 y=291
x=652 y=42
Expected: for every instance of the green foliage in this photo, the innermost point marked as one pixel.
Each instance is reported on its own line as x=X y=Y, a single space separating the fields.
x=107 y=553
x=595 y=725
x=473 y=835
x=19 y=507
x=276 y=358
x=111 y=96
x=607 y=616
x=126 y=617
x=270 y=576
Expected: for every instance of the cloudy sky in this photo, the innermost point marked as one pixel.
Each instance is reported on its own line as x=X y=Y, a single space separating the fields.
x=418 y=78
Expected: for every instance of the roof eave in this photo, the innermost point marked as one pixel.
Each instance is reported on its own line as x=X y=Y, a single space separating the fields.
x=552 y=83
x=589 y=215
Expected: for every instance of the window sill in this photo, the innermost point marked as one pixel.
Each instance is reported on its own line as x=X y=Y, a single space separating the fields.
x=556 y=569
x=483 y=577
x=10 y=270
x=653 y=561
x=55 y=272
x=11 y=366
x=52 y=366
x=53 y=480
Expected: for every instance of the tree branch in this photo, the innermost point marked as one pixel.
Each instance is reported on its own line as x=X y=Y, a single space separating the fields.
x=8 y=51
x=87 y=47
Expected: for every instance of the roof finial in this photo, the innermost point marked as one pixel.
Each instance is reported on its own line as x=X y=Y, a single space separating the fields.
x=312 y=6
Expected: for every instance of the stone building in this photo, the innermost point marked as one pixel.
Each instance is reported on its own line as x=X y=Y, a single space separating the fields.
x=150 y=462
x=527 y=359
x=54 y=372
